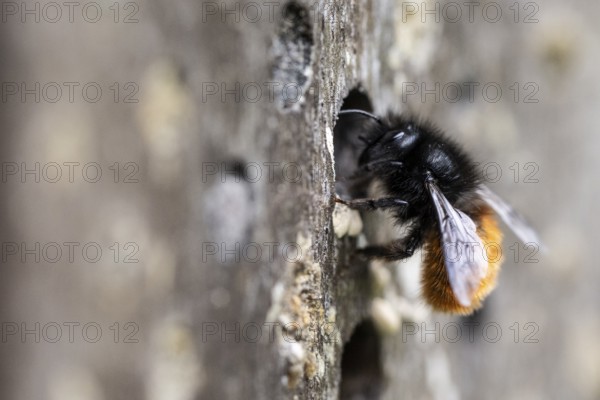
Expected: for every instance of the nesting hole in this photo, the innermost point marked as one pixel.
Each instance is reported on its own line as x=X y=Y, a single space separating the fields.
x=347 y=144
x=292 y=50
x=362 y=371
x=357 y=99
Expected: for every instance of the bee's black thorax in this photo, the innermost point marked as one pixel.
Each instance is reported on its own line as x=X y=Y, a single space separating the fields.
x=423 y=151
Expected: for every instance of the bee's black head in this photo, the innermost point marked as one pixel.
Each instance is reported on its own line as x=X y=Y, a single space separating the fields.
x=423 y=152
x=393 y=144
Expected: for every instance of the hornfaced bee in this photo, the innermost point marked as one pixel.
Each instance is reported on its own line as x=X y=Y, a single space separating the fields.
x=431 y=185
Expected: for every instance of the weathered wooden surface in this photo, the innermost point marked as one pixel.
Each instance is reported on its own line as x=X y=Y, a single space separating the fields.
x=211 y=326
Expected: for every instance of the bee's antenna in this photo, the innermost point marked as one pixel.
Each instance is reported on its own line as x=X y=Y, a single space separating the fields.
x=365 y=113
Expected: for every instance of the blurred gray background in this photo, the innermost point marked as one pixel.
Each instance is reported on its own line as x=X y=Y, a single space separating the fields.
x=151 y=293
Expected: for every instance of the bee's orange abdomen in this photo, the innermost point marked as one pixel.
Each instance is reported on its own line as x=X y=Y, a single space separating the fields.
x=435 y=285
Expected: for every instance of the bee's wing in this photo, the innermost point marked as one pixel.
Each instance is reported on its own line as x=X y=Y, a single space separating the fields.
x=463 y=249
x=510 y=216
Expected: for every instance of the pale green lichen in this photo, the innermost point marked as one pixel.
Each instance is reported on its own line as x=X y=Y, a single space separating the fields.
x=176 y=373
x=346 y=221
x=385 y=317
x=380 y=276
x=165 y=105
x=301 y=316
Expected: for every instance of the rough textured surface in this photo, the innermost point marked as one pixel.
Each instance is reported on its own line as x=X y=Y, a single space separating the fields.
x=211 y=326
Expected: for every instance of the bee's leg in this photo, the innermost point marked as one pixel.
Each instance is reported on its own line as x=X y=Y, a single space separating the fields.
x=375 y=165
x=395 y=250
x=373 y=204
x=378 y=166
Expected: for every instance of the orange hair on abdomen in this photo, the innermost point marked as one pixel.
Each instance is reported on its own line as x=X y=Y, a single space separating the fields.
x=435 y=285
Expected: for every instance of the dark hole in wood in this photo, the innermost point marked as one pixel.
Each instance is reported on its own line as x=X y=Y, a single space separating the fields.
x=357 y=99
x=347 y=144
x=292 y=50
x=362 y=371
